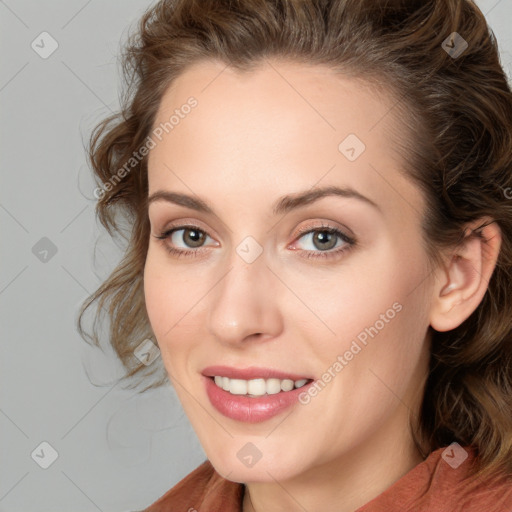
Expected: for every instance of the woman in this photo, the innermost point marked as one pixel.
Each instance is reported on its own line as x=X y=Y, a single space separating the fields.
x=320 y=248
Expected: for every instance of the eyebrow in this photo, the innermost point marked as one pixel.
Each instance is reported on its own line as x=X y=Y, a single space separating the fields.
x=283 y=205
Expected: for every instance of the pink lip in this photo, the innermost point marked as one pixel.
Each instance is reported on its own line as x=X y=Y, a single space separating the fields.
x=250 y=409
x=252 y=372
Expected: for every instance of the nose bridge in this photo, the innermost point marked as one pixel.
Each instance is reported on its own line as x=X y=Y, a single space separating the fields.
x=243 y=302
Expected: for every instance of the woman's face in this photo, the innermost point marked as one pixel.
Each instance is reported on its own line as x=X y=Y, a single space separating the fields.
x=274 y=281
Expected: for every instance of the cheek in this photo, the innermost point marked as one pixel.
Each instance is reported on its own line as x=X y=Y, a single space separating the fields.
x=154 y=296
x=161 y=306
x=392 y=339
x=366 y=293
x=378 y=314
x=165 y=296
x=173 y=298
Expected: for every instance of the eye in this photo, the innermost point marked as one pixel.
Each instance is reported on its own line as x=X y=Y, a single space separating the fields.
x=184 y=240
x=190 y=236
x=324 y=242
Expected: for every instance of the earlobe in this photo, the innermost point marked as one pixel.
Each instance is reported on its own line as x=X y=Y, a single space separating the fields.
x=462 y=282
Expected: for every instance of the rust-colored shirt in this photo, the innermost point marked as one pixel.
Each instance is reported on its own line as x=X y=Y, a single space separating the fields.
x=432 y=486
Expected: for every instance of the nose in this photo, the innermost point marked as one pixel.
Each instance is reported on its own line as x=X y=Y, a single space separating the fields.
x=245 y=304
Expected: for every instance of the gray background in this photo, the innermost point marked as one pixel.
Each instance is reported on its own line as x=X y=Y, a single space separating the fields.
x=117 y=450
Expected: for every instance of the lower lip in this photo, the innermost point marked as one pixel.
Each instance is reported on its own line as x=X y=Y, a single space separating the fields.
x=247 y=409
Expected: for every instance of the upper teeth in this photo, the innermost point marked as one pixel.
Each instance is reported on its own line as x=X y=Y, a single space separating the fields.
x=257 y=387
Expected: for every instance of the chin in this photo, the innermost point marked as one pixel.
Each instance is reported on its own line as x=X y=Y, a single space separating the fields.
x=243 y=465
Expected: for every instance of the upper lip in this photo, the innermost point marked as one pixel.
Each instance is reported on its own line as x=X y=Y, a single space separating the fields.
x=249 y=373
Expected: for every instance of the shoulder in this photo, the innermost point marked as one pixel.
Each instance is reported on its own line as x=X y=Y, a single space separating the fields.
x=201 y=490
x=441 y=483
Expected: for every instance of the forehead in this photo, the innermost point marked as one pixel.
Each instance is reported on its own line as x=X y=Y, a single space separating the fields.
x=282 y=123
x=279 y=94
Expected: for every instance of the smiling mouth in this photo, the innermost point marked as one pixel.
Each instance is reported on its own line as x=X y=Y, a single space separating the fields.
x=258 y=387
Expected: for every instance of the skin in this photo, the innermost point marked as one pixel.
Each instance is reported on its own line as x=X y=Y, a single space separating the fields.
x=253 y=138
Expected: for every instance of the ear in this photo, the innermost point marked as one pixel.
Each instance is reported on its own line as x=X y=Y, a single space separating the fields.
x=461 y=283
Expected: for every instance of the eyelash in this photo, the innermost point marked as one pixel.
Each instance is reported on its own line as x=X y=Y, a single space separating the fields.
x=349 y=241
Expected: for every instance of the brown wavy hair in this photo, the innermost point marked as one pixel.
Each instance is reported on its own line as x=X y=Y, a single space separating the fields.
x=456 y=113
